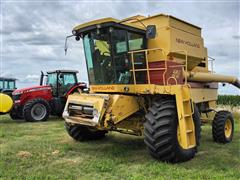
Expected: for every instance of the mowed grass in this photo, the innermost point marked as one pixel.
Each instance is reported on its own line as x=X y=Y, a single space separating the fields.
x=45 y=151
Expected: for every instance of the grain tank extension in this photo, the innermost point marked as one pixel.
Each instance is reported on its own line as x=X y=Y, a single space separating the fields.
x=148 y=76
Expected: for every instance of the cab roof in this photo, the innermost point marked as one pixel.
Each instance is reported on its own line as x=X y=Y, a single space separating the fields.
x=106 y=21
x=8 y=79
x=62 y=71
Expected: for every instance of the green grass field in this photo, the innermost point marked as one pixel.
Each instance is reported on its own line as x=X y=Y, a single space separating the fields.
x=45 y=151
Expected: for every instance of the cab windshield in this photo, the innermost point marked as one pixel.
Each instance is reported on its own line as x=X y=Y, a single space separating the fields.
x=106 y=52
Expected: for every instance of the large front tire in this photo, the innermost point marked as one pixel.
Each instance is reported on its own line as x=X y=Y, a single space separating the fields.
x=36 y=110
x=83 y=133
x=160 y=131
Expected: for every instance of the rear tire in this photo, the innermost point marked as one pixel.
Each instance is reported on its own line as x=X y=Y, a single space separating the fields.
x=83 y=133
x=223 y=127
x=36 y=110
x=160 y=131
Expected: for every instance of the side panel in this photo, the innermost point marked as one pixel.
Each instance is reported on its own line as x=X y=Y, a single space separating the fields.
x=197 y=94
x=203 y=94
x=44 y=94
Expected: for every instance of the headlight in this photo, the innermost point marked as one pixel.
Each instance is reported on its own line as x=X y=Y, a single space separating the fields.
x=74 y=32
x=17 y=93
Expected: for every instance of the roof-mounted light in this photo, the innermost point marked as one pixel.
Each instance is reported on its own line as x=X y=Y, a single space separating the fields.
x=74 y=32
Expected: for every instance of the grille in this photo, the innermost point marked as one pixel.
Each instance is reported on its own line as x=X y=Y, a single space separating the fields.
x=80 y=110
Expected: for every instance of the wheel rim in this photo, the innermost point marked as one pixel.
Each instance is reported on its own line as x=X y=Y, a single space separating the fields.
x=228 y=128
x=179 y=137
x=38 y=112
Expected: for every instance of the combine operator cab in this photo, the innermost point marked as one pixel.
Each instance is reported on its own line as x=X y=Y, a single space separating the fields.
x=38 y=102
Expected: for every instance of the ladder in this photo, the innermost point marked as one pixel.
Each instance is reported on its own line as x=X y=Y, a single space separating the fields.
x=185 y=110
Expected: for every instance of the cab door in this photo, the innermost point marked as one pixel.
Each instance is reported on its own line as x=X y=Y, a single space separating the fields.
x=66 y=82
x=124 y=41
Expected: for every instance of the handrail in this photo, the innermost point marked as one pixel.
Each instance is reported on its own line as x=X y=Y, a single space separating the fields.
x=211 y=60
x=186 y=62
x=147 y=69
x=146 y=61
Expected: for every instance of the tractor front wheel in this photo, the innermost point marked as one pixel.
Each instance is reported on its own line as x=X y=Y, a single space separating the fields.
x=36 y=110
x=161 y=134
x=83 y=133
x=223 y=127
x=15 y=115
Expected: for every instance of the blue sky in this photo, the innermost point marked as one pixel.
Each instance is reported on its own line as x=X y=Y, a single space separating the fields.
x=33 y=33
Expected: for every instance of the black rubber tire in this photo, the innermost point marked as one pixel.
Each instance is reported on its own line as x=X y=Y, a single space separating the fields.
x=28 y=107
x=160 y=132
x=83 y=133
x=14 y=115
x=218 y=126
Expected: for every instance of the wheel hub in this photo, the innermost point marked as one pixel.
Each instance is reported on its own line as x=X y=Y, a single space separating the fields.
x=38 y=111
x=228 y=128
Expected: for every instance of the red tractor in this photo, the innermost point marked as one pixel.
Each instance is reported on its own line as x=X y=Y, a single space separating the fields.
x=37 y=103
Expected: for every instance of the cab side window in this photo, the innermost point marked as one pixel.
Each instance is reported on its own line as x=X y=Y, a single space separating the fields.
x=69 y=79
x=136 y=42
x=1 y=84
x=11 y=85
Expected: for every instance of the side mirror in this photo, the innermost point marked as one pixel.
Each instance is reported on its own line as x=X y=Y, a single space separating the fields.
x=151 y=32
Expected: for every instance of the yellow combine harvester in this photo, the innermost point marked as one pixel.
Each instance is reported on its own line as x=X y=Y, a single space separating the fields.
x=148 y=76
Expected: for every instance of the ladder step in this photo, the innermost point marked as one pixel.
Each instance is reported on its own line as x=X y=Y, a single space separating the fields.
x=191 y=146
x=187 y=115
x=189 y=131
x=186 y=100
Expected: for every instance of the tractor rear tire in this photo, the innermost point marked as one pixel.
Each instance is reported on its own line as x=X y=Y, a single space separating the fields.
x=223 y=127
x=84 y=133
x=36 y=110
x=160 y=132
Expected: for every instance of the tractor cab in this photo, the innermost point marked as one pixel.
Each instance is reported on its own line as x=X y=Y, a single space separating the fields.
x=61 y=81
x=38 y=102
x=7 y=85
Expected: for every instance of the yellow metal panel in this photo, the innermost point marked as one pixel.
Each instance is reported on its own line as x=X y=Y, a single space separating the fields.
x=97 y=101
x=184 y=26
x=6 y=103
x=203 y=95
x=181 y=40
x=122 y=106
x=174 y=35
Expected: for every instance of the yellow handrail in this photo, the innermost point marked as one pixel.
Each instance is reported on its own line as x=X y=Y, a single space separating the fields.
x=147 y=65
x=186 y=63
x=154 y=69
